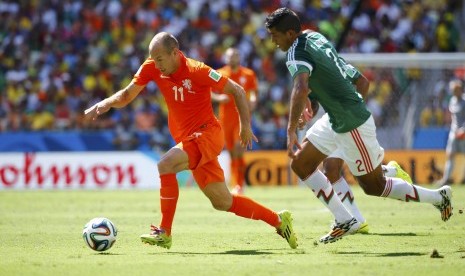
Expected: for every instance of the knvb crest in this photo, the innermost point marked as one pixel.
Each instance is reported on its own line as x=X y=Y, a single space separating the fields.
x=187 y=83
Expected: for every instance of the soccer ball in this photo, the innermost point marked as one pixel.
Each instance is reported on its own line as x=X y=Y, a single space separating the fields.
x=99 y=234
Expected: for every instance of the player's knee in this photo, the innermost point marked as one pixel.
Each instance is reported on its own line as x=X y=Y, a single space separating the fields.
x=166 y=165
x=295 y=166
x=372 y=189
x=302 y=170
x=220 y=205
x=332 y=175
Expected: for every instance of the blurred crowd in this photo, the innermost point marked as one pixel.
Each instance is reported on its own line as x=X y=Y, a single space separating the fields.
x=58 y=57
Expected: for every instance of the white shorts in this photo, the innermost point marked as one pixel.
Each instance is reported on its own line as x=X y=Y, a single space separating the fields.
x=359 y=148
x=455 y=145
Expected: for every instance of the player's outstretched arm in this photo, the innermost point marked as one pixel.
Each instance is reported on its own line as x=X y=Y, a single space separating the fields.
x=118 y=100
x=240 y=100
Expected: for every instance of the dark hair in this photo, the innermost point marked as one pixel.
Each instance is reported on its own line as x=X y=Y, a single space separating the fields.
x=283 y=19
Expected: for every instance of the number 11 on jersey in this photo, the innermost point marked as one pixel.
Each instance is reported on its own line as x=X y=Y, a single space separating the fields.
x=180 y=91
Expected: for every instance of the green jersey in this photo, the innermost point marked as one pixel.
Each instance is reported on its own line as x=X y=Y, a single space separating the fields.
x=330 y=80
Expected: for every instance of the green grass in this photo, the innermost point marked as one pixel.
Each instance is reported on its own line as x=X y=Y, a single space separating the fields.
x=40 y=234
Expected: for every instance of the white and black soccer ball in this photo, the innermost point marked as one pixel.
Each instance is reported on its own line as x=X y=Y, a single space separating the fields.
x=99 y=234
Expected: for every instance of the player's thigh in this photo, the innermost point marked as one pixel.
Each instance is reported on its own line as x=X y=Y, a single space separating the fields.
x=360 y=148
x=210 y=172
x=322 y=136
x=173 y=161
x=204 y=146
x=307 y=160
x=210 y=179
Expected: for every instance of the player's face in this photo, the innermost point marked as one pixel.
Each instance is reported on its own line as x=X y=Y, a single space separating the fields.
x=165 y=61
x=282 y=40
x=232 y=58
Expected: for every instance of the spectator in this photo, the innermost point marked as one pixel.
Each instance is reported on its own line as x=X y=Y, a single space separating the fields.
x=3 y=113
x=41 y=119
x=62 y=115
x=146 y=116
x=267 y=129
x=432 y=115
x=160 y=140
x=125 y=135
x=447 y=34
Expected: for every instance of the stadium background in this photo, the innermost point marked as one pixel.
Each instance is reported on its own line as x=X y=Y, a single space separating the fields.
x=59 y=57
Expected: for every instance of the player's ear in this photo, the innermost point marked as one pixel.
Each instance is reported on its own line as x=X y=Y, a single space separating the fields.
x=291 y=33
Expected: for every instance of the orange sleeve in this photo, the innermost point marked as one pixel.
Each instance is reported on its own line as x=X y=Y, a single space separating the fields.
x=224 y=74
x=145 y=73
x=211 y=77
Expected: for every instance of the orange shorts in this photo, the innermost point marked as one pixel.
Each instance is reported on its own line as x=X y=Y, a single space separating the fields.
x=203 y=148
x=231 y=134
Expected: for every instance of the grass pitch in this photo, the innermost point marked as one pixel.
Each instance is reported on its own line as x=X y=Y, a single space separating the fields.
x=40 y=234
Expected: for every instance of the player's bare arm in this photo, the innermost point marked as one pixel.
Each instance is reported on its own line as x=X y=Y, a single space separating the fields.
x=118 y=100
x=362 y=84
x=240 y=100
x=299 y=99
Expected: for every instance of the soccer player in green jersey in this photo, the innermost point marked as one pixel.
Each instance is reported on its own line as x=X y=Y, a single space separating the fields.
x=347 y=127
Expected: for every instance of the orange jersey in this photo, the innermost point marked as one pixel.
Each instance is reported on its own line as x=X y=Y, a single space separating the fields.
x=248 y=80
x=186 y=92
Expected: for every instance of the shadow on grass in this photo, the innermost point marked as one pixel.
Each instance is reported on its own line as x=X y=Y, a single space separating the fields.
x=229 y=252
x=107 y=253
x=244 y=252
x=374 y=254
x=395 y=234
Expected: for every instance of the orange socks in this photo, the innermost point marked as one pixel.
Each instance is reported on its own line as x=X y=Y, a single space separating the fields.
x=247 y=208
x=169 y=193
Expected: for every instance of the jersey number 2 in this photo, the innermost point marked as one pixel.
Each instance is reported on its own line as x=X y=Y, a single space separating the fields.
x=359 y=165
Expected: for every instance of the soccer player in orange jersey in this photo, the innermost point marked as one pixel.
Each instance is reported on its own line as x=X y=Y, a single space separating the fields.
x=186 y=85
x=229 y=117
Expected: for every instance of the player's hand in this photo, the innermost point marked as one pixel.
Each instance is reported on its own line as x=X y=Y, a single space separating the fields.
x=306 y=115
x=247 y=137
x=96 y=110
x=460 y=133
x=292 y=143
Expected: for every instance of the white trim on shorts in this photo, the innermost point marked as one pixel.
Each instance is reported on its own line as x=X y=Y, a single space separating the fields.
x=359 y=148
